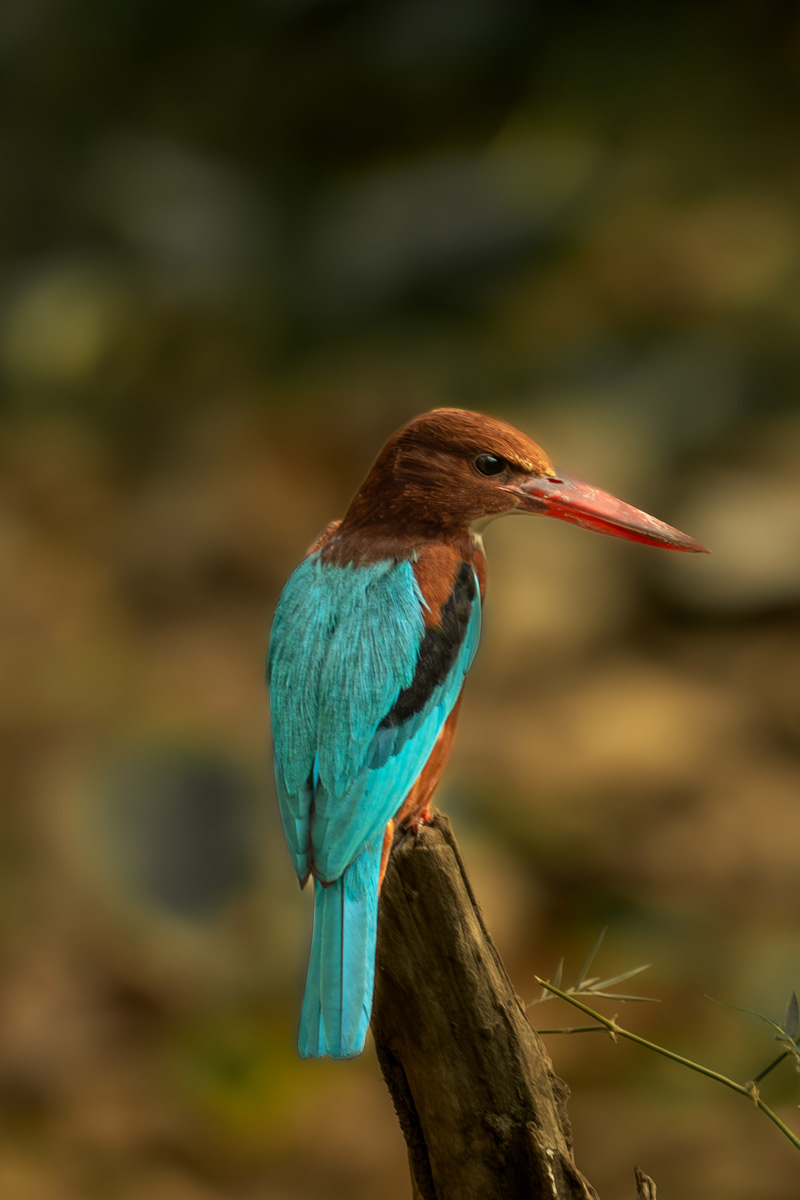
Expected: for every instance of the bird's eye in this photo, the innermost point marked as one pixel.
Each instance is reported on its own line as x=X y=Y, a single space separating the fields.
x=490 y=464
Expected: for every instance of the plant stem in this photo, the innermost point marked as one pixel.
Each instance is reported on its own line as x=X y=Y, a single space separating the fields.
x=573 y=1029
x=757 y=1078
x=749 y=1090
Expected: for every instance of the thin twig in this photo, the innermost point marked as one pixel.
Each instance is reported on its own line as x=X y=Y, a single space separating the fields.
x=744 y=1089
x=757 y=1078
x=573 y=1029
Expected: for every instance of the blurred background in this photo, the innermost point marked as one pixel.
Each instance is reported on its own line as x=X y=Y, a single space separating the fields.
x=239 y=245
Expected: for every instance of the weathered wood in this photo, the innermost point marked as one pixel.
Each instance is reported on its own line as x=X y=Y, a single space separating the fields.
x=645 y=1188
x=482 y=1111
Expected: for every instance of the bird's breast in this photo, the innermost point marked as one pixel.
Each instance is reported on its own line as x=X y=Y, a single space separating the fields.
x=436 y=568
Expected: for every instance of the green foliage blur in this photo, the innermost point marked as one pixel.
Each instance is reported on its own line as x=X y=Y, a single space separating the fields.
x=239 y=245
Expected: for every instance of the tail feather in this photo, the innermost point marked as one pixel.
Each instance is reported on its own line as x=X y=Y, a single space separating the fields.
x=337 y=1003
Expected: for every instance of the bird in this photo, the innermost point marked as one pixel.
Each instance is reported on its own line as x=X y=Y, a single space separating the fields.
x=371 y=642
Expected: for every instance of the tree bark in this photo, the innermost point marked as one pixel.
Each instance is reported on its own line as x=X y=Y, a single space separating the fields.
x=645 y=1188
x=482 y=1111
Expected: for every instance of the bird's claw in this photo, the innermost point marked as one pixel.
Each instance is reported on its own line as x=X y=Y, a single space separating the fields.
x=422 y=818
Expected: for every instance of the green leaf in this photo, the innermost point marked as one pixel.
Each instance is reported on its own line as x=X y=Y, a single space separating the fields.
x=752 y=1012
x=607 y=983
x=791 y=1019
x=591 y=957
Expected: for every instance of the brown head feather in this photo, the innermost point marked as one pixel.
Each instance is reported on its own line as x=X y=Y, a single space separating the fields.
x=424 y=484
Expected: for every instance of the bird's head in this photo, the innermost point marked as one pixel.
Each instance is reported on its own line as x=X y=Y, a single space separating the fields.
x=448 y=470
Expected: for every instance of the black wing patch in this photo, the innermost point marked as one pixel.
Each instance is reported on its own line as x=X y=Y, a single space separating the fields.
x=437 y=652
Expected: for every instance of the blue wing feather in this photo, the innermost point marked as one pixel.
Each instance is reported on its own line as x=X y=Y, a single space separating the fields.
x=344 y=642
x=356 y=712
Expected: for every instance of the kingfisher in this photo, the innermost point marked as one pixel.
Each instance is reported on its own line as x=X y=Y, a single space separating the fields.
x=371 y=642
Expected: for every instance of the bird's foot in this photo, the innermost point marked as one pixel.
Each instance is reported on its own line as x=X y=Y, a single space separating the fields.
x=421 y=818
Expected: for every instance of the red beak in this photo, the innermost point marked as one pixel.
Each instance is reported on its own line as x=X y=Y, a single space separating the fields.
x=581 y=504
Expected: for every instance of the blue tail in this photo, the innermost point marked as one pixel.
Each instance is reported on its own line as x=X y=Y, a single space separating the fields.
x=337 y=1003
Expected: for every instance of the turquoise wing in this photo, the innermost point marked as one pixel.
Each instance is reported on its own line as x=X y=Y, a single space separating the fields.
x=359 y=692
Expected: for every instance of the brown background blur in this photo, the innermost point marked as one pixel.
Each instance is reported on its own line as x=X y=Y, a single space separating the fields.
x=239 y=245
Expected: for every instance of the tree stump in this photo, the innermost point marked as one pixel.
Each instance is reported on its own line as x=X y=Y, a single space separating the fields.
x=482 y=1111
